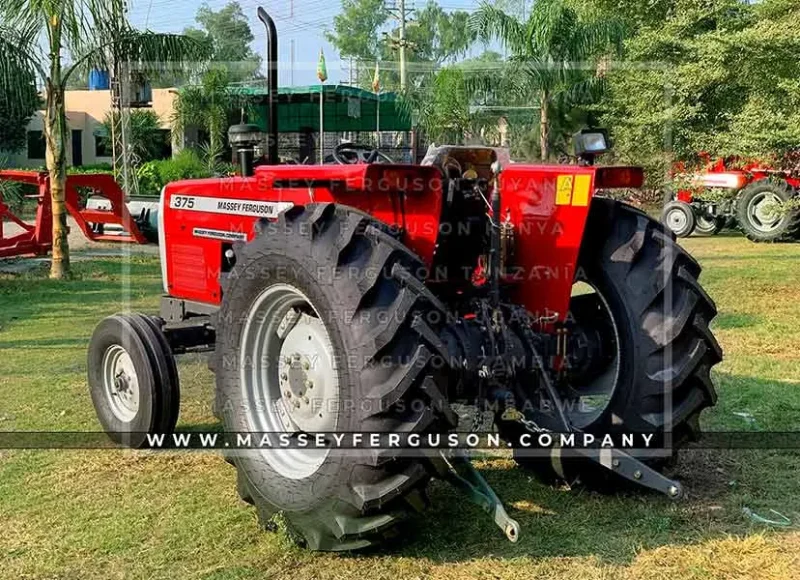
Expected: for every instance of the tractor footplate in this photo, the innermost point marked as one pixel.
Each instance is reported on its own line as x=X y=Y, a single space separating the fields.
x=458 y=470
x=633 y=470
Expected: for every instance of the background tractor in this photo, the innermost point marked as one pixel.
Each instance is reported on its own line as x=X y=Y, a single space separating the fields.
x=763 y=201
x=367 y=296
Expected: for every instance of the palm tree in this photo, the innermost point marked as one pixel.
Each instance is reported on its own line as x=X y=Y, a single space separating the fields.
x=91 y=32
x=553 y=53
x=208 y=106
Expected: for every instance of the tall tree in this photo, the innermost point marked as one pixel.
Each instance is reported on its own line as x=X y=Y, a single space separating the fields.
x=89 y=30
x=549 y=51
x=227 y=32
x=364 y=29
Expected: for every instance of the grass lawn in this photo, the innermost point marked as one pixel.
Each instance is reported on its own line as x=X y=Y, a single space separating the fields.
x=123 y=514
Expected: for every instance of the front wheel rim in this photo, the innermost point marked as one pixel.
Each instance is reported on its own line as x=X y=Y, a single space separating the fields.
x=677 y=221
x=120 y=383
x=289 y=381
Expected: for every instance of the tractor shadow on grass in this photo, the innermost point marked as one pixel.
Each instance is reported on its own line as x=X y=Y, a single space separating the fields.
x=614 y=528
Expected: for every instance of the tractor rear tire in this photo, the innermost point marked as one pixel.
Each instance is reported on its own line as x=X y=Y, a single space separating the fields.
x=133 y=379
x=661 y=319
x=761 y=225
x=356 y=290
x=679 y=217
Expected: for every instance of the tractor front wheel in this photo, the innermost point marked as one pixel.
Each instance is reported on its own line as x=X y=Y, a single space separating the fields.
x=679 y=217
x=133 y=379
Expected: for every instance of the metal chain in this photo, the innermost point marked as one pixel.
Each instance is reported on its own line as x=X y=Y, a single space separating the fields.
x=513 y=414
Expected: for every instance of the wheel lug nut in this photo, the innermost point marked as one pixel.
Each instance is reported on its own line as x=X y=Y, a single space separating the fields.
x=309 y=384
x=284 y=377
x=305 y=400
x=306 y=366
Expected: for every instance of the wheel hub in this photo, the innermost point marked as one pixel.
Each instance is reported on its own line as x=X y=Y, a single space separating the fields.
x=305 y=374
x=121 y=383
x=764 y=211
x=676 y=220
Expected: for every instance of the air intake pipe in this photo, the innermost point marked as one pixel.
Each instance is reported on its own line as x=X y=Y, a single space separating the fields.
x=272 y=86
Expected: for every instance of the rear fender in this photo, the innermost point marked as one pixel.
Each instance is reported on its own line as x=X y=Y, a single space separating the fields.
x=548 y=206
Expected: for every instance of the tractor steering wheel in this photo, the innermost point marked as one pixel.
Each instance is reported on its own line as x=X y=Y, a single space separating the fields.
x=353 y=154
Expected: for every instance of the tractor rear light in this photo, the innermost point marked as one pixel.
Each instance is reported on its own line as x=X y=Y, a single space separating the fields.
x=619 y=178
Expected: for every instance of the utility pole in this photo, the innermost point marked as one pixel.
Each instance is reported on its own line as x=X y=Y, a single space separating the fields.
x=401 y=43
x=291 y=62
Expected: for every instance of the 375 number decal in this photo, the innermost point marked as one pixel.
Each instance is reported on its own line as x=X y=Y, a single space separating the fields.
x=181 y=202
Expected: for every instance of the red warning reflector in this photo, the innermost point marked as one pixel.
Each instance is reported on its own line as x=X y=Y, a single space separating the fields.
x=619 y=177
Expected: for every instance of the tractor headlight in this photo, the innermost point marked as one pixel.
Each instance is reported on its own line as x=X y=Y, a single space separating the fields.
x=591 y=142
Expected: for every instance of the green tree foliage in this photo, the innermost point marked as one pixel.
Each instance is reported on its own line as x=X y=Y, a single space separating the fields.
x=357 y=29
x=19 y=99
x=35 y=36
x=364 y=29
x=549 y=54
x=227 y=32
x=146 y=137
x=719 y=76
x=207 y=105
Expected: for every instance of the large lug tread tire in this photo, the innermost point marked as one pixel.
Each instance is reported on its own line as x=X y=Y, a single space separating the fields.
x=663 y=317
x=154 y=364
x=358 y=267
x=789 y=227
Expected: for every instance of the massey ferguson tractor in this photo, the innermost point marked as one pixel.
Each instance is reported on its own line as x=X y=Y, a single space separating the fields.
x=371 y=297
x=763 y=201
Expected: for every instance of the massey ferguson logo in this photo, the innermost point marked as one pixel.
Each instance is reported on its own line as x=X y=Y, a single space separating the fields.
x=265 y=209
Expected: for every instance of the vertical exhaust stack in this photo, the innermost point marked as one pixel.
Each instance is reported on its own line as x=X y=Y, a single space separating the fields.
x=272 y=85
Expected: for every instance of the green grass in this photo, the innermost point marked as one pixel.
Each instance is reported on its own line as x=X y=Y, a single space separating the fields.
x=124 y=514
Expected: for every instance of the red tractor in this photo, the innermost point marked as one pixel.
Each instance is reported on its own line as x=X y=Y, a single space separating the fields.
x=763 y=201
x=375 y=298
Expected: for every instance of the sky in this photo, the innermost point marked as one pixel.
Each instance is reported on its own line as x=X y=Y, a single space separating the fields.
x=300 y=21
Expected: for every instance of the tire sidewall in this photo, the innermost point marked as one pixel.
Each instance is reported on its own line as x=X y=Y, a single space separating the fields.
x=615 y=417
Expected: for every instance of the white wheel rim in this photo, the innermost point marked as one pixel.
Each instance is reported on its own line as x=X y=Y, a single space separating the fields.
x=288 y=376
x=121 y=383
x=677 y=220
x=764 y=213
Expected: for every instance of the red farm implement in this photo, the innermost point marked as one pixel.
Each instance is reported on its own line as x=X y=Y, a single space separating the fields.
x=35 y=239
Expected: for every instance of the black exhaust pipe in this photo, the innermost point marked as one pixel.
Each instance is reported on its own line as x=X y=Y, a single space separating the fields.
x=272 y=85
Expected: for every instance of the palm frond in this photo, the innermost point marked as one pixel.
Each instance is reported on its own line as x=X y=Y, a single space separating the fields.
x=490 y=23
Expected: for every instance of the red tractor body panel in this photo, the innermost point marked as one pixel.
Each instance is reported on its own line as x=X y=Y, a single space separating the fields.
x=547 y=205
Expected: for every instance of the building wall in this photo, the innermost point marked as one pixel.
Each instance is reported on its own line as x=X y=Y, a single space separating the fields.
x=86 y=111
